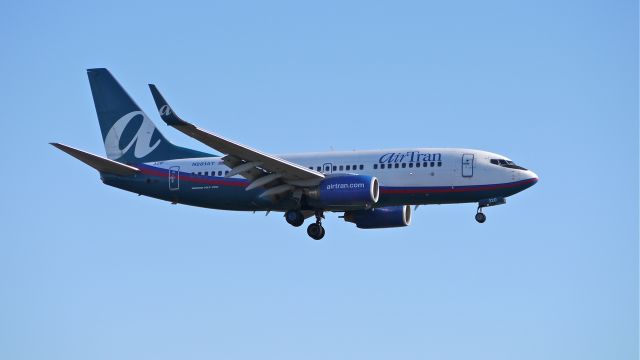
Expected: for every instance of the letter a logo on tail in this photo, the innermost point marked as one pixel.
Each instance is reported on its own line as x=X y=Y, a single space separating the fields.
x=141 y=140
x=165 y=110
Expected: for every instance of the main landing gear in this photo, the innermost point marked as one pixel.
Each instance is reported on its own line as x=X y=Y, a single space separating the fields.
x=315 y=230
x=294 y=217
x=480 y=217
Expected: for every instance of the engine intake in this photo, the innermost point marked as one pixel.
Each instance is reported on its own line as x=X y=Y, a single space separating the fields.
x=378 y=218
x=349 y=191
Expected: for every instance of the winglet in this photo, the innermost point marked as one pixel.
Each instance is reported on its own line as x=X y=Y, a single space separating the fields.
x=98 y=162
x=166 y=113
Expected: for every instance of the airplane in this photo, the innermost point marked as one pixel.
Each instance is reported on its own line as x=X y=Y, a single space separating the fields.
x=373 y=189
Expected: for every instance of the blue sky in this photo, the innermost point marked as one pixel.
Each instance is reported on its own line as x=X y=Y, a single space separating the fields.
x=88 y=271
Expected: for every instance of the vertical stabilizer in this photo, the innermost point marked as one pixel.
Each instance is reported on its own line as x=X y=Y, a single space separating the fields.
x=129 y=135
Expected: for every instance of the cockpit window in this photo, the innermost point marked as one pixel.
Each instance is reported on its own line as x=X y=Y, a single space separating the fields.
x=506 y=163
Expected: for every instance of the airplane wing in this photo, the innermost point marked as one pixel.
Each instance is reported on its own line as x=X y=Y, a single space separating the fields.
x=250 y=163
x=98 y=162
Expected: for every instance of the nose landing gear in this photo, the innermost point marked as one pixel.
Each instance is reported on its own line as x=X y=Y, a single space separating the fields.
x=480 y=217
x=315 y=230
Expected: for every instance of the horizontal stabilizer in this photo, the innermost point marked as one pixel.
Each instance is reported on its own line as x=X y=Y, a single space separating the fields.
x=98 y=162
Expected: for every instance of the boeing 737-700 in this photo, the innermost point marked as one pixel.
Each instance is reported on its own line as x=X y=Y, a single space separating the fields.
x=372 y=189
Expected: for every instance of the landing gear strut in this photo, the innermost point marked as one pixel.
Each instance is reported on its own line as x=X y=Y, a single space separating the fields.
x=480 y=217
x=315 y=230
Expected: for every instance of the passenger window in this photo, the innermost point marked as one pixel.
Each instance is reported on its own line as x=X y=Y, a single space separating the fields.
x=397 y=166
x=348 y=167
x=381 y=166
x=439 y=163
x=417 y=164
x=334 y=168
x=410 y=165
x=206 y=173
x=361 y=167
x=219 y=172
x=425 y=164
x=375 y=166
x=326 y=168
x=341 y=167
x=404 y=165
x=432 y=164
x=318 y=168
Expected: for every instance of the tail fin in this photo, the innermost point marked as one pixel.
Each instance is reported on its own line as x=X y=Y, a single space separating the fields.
x=128 y=133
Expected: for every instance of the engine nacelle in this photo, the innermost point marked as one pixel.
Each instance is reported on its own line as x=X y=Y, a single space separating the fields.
x=348 y=191
x=383 y=217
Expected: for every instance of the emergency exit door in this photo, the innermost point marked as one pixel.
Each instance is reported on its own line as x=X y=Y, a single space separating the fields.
x=174 y=178
x=467 y=165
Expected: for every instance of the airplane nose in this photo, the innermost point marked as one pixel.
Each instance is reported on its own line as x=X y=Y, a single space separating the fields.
x=531 y=176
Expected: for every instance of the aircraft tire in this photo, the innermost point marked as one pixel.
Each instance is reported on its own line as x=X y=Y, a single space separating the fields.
x=481 y=218
x=315 y=231
x=294 y=218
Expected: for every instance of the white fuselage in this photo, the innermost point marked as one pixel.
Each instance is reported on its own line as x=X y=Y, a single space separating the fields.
x=406 y=176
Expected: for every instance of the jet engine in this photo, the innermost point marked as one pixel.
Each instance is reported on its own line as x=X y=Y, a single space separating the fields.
x=348 y=191
x=383 y=217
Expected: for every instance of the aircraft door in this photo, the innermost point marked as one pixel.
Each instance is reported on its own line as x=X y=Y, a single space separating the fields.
x=327 y=168
x=174 y=178
x=467 y=165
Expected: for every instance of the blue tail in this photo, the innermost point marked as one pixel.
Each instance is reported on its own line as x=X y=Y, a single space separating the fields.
x=128 y=133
